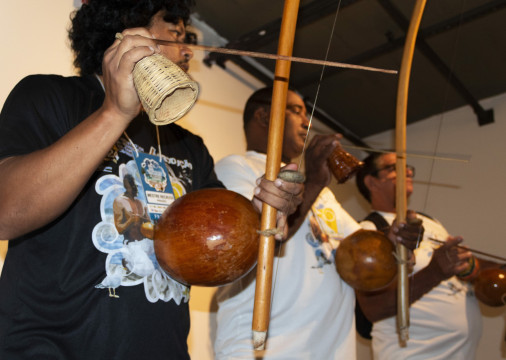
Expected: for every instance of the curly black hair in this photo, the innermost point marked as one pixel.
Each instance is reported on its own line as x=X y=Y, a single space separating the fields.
x=96 y=23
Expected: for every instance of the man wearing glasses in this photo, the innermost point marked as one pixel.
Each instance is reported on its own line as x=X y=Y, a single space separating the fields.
x=445 y=320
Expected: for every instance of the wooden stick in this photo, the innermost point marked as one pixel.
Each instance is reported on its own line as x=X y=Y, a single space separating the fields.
x=261 y=310
x=472 y=250
x=400 y=147
x=276 y=57
x=430 y=157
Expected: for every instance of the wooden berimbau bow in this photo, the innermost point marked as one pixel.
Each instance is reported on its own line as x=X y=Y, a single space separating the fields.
x=400 y=147
x=261 y=310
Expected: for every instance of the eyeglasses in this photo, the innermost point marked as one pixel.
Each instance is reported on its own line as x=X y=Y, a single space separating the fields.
x=190 y=38
x=391 y=167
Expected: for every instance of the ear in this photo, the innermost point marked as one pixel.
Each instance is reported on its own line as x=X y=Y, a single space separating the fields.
x=370 y=181
x=261 y=116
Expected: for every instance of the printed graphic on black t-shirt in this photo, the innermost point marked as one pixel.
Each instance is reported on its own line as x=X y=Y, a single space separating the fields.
x=125 y=231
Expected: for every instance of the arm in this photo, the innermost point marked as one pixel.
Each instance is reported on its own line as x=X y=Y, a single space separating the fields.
x=318 y=175
x=446 y=262
x=59 y=172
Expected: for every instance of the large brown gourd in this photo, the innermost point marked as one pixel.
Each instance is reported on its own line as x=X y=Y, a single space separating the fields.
x=365 y=260
x=490 y=287
x=208 y=238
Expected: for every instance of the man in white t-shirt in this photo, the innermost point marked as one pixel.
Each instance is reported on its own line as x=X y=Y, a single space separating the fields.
x=445 y=321
x=312 y=313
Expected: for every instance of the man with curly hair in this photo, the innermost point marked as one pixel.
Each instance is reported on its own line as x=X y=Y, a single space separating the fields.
x=66 y=145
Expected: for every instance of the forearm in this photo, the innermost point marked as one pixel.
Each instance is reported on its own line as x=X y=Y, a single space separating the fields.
x=38 y=187
x=311 y=192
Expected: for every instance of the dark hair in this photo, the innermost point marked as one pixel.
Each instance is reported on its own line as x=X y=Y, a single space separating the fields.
x=130 y=179
x=260 y=98
x=370 y=168
x=96 y=23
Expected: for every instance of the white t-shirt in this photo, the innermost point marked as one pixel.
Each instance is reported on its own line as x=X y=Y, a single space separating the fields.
x=312 y=309
x=445 y=324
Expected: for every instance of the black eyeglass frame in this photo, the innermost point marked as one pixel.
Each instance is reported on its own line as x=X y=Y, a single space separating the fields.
x=391 y=168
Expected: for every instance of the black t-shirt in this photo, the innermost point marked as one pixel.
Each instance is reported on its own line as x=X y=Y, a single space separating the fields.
x=77 y=288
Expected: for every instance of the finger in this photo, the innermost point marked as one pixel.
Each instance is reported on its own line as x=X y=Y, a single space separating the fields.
x=284 y=189
x=257 y=204
x=132 y=45
x=463 y=256
x=281 y=223
x=462 y=249
x=416 y=229
x=452 y=241
x=322 y=146
x=460 y=267
x=275 y=200
x=407 y=236
x=140 y=34
x=412 y=219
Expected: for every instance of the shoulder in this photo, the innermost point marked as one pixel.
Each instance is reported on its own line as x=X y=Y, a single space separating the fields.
x=326 y=198
x=230 y=165
x=250 y=164
x=327 y=194
x=45 y=83
x=377 y=220
x=231 y=160
x=39 y=79
x=48 y=91
x=34 y=86
x=238 y=174
x=367 y=225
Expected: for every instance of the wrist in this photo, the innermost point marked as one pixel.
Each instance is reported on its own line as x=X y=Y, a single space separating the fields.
x=314 y=184
x=113 y=116
x=312 y=190
x=472 y=270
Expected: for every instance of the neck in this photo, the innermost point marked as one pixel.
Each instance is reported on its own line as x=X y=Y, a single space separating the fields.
x=383 y=206
x=384 y=210
x=257 y=149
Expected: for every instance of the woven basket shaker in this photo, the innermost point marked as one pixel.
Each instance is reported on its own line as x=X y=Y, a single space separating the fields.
x=166 y=92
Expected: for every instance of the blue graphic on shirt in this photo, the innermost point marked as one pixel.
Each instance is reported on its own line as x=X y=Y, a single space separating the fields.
x=125 y=235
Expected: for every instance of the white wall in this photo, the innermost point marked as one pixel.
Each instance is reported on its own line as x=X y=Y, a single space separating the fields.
x=33 y=41
x=467 y=198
